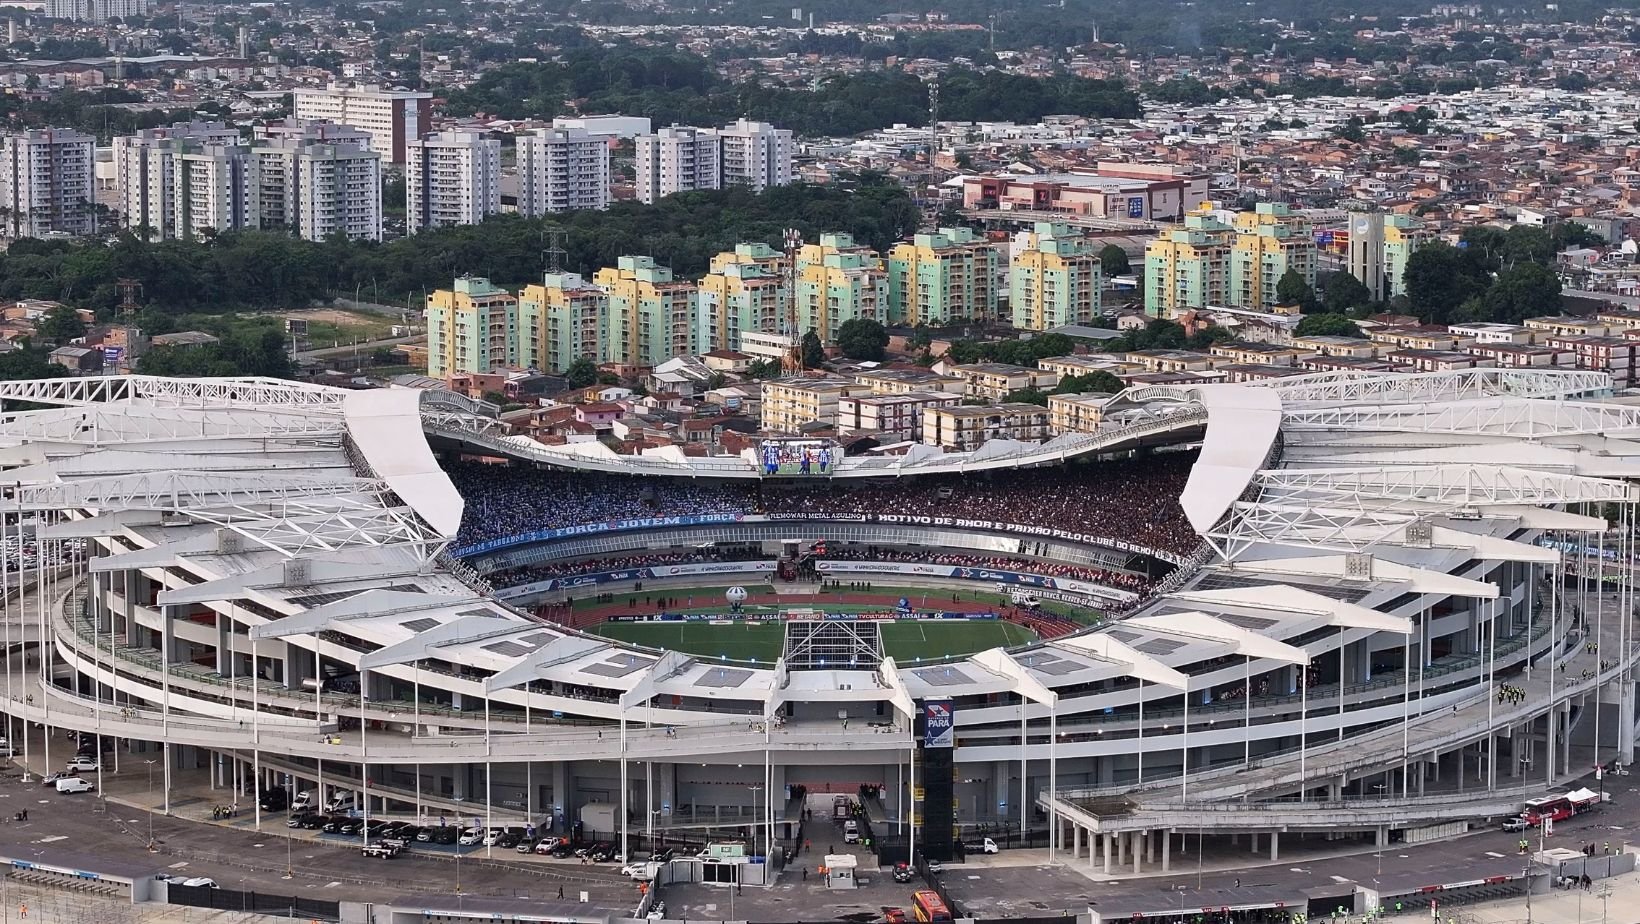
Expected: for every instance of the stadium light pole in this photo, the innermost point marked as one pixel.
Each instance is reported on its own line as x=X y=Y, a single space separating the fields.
x=626 y=795
x=489 y=774
x=256 y=729
x=1053 y=782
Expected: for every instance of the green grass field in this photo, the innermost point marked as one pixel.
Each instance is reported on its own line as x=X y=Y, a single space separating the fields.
x=905 y=642
x=710 y=600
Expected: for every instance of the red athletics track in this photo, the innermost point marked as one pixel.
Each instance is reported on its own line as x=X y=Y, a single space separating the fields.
x=582 y=617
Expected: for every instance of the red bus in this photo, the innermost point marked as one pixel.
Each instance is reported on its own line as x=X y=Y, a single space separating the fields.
x=1556 y=808
x=928 y=907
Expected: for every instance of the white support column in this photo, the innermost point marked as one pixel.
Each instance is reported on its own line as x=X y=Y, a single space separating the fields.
x=1167 y=851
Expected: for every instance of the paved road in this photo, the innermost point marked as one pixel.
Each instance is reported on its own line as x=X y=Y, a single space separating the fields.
x=244 y=859
x=347 y=349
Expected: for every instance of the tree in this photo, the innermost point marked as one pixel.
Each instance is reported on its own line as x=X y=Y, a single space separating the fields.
x=1524 y=291
x=1327 y=324
x=581 y=373
x=1029 y=396
x=1343 y=292
x=1099 y=381
x=1114 y=261
x=814 y=353
x=1293 y=289
x=862 y=339
x=764 y=369
x=1439 y=278
x=61 y=325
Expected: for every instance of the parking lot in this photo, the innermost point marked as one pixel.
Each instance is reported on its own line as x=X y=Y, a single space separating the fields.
x=275 y=861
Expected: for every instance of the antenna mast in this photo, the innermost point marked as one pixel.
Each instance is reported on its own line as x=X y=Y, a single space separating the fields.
x=793 y=240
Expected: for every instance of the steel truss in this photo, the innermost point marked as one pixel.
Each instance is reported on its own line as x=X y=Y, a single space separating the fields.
x=122 y=424
x=1510 y=417
x=167 y=392
x=1349 y=387
x=1456 y=486
x=822 y=643
x=300 y=529
x=1336 y=528
x=181 y=491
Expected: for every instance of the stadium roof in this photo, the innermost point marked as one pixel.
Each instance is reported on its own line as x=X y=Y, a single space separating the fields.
x=318 y=509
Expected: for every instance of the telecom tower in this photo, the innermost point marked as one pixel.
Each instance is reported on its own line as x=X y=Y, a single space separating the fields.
x=130 y=299
x=793 y=240
x=933 y=125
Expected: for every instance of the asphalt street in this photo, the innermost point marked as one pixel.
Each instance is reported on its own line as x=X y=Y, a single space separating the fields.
x=78 y=826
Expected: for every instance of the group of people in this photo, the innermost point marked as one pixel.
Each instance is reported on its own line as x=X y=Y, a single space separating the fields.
x=1510 y=694
x=1134 y=500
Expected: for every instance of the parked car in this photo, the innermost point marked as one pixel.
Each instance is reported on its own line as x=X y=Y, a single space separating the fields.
x=300 y=820
x=471 y=836
x=527 y=845
x=446 y=835
x=315 y=821
x=851 y=832
x=1515 y=824
x=509 y=840
x=49 y=781
x=82 y=765
x=381 y=850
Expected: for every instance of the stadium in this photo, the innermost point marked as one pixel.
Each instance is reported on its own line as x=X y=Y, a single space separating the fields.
x=1275 y=614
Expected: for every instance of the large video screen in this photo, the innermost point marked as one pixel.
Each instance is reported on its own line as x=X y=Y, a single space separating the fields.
x=798 y=457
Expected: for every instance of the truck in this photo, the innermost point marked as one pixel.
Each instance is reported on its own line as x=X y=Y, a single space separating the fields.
x=842 y=808
x=597 y=820
x=978 y=845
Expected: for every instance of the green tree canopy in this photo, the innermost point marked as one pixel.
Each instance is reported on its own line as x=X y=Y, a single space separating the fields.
x=1439 y=278
x=581 y=373
x=1523 y=291
x=1328 y=324
x=1098 y=381
x=862 y=339
x=61 y=325
x=1343 y=291
x=1293 y=289
x=1113 y=261
x=814 y=352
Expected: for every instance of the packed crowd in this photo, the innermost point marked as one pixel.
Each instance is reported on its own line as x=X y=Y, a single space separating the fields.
x=512 y=577
x=1120 y=579
x=504 y=500
x=1134 y=500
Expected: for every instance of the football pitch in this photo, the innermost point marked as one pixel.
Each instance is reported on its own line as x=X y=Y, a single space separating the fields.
x=905 y=641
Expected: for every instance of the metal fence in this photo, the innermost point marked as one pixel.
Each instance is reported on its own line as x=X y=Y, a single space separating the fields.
x=253 y=902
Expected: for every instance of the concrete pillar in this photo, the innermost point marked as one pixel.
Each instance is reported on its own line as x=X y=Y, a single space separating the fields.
x=1110 y=851
x=1625 y=723
x=1076 y=841
x=1275 y=846
x=1121 y=848
x=1252 y=839
x=1167 y=851
x=563 y=795
x=1383 y=836
x=1335 y=789
x=1156 y=841
x=1138 y=852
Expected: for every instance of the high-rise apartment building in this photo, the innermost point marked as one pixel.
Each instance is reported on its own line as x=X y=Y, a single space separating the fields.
x=1270 y=240
x=314 y=189
x=47 y=178
x=95 y=10
x=755 y=154
x=472 y=327
x=1208 y=263
x=144 y=165
x=936 y=277
x=562 y=170
x=1379 y=246
x=394 y=118
x=451 y=178
x=1189 y=267
x=1054 y=278
x=210 y=190
x=652 y=315
x=837 y=281
x=677 y=159
x=745 y=291
x=563 y=319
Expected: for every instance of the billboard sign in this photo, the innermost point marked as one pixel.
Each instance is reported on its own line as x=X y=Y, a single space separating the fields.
x=939 y=723
x=1136 y=206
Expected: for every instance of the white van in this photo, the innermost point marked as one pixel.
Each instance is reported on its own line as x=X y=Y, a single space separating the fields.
x=341 y=802
x=304 y=800
x=73 y=784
